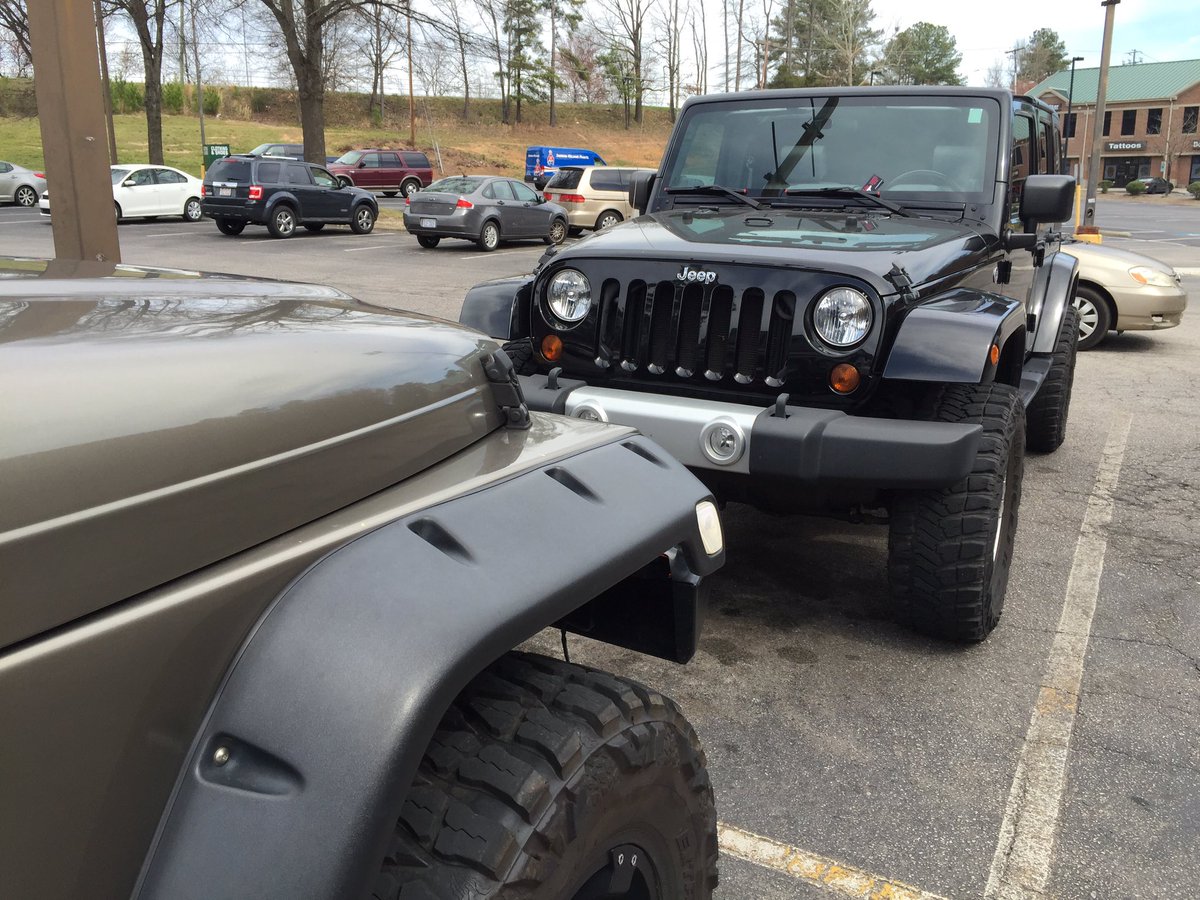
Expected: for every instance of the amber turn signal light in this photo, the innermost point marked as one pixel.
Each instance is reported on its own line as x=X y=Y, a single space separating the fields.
x=844 y=378
x=994 y=354
x=552 y=347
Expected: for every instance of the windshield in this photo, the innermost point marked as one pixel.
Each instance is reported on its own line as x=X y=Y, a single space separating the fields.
x=349 y=158
x=118 y=175
x=456 y=185
x=916 y=147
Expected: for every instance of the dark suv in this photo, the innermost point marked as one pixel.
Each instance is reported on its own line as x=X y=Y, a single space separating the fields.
x=388 y=171
x=282 y=194
x=841 y=301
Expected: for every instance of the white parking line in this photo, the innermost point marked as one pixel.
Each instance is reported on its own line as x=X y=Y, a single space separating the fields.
x=169 y=233
x=1025 y=851
x=493 y=254
x=372 y=247
x=23 y=221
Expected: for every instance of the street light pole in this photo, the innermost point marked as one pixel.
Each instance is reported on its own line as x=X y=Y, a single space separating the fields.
x=1070 y=125
x=1089 y=211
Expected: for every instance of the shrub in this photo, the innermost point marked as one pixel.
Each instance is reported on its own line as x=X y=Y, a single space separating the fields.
x=172 y=97
x=212 y=101
x=1136 y=187
x=126 y=96
x=260 y=100
x=1194 y=189
x=1105 y=185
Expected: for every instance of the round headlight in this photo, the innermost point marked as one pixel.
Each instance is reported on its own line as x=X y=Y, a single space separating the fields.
x=842 y=317
x=570 y=296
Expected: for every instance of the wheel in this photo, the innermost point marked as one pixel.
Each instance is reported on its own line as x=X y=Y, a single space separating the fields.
x=389 y=193
x=549 y=781
x=119 y=216
x=314 y=227
x=950 y=550
x=362 y=220
x=489 y=236
x=231 y=227
x=558 y=232
x=1095 y=318
x=282 y=223
x=428 y=241
x=25 y=196
x=1046 y=417
x=344 y=182
x=192 y=211
x=574 y=231
x=410 y=187
x=607 y=220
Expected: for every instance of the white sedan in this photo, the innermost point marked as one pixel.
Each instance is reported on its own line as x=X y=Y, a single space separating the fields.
x=141 y=191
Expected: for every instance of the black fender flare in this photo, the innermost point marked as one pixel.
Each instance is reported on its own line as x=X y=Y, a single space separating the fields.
x=499 y=308
x=1054 y=290
x=299 y=771
x=949 y=339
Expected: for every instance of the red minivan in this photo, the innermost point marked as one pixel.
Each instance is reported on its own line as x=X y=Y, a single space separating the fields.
x=388 y=171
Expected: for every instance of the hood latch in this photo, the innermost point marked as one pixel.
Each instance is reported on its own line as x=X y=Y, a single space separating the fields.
x=506 y=388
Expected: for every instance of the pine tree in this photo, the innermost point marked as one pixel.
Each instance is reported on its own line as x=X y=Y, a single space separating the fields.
x=922 y=54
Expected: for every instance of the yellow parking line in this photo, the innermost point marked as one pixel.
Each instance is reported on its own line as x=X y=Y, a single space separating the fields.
x=820 y=871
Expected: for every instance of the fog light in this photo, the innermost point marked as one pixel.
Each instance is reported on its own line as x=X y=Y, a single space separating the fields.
x=844 y=378
x=552 y=347
x=722 y=442
x=710 y=527
x=590 y=412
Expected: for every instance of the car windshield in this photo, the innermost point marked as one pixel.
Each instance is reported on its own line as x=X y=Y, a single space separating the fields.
x=903 y=147
x=456 y=185
x=118 y=175
x=348 y=158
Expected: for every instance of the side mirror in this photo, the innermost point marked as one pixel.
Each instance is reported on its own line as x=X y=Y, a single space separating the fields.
x=640 y=187
x=1047 y=198
x=362 y=164
x=128 y=182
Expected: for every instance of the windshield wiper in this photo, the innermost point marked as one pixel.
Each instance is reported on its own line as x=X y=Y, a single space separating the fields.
x=717 y=189
x=849 y=192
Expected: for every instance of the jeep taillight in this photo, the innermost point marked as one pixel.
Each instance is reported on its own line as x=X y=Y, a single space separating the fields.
x=464 y=203
x=256 y=192
x=571 y=198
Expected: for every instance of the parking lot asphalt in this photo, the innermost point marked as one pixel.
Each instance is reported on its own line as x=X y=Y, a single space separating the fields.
x=851 y=756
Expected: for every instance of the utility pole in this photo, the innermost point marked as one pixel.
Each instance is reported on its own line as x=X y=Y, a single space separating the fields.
x=108 y=115
x=1133 y=57
x=1068 y=124
x=199 y=86
x=1014 y=52
x=412 y=107
x=1093 y=172
x=183 y=42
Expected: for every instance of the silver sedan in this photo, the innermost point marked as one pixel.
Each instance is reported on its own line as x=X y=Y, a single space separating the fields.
x=20 y=185
x=486 y=209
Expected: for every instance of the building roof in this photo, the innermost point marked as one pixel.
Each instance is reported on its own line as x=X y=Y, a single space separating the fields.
x=1144 y=81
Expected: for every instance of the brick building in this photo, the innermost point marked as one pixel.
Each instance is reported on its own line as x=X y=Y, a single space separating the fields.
x=1150 y=120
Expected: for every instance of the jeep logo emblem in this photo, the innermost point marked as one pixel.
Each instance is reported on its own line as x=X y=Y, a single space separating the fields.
x=687 y=273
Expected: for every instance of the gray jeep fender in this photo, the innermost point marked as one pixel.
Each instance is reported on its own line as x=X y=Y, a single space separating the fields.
x=293 y=785
x=499 y=308
x=949 y=339
x=1053 y=291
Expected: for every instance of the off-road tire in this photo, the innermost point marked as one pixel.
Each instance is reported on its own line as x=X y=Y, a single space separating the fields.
x=520 y=352
x=231 y=227
x=950 y=550
x=489 y=236
x=282 y=221
x=536 y=773
x=314 y=227
x=25 y=196
x=1094 y=312
x=558 y=232
x=1046 y=417
x=428 y=241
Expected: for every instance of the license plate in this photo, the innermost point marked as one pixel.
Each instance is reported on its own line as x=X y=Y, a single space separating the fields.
x=225 y=192
x=429 y=223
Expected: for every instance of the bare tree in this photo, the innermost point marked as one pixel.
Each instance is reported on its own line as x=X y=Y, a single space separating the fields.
x=737 y=74
x=493 y=14
x=997 y=75
x=700 y=49
x=568 y=13
x=15 y=20
x=380 y=40
x=581 y=66
x=672 y=40
x=630 y=25
x=462 y=37
x=149 y=19
x=850 y=36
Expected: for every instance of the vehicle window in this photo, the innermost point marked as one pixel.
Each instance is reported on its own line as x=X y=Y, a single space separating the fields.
x=503 y=190
x=268 y=172
x=1022 y=162
x=5 y=167
x=229 y=169
x=142 y=177
x=567 y=179
x=605 y=180
x=524 y=194
x=416 y=160
x=297 y=173
x=168 y=176
x=323 y=178
x=390 y=160
x=349 y=158
x=1048 y=146
x=456 y=184
x=488 y=193
x=372 y=160
x=118 y=175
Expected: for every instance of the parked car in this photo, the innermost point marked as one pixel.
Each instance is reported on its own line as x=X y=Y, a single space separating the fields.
x=147 y=192
x=595 y=197
x=1157 y=185
x=542 y=163
x=20 y=185
x=285 y=151
x=266 y=556
x=387 y=171
x=283 y=194
x=1120 y=290
x=486 y=209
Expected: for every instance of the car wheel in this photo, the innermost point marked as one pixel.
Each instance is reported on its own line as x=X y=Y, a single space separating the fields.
x=1046 y=416
x=574 y=231
x=558 y=232
x=119 y=216
x=231 y=227
x=410 y=187
x=1095 y=318
x=192 y=211
x=282 y=223
x=362 y=220
x=549 y=780
x=314 y=227
x=607 y=220
x=428 y=241
x=25 y=196
x=489 y=236
x=950 y=550
x=389 y=193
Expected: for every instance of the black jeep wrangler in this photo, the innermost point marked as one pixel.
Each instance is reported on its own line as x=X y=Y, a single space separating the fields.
x=838 y=301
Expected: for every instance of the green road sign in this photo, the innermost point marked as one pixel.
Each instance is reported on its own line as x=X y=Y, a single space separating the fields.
x=213 y=152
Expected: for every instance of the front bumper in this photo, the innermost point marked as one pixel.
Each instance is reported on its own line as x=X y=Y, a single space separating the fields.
x=805 y=446
x=1145 y=308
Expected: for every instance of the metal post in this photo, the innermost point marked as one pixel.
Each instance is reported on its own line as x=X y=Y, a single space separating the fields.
x=104 y=89
x=1070 y=97
x=62 y=34
x=412 y=108
x=199 y=87
x=1089 y=211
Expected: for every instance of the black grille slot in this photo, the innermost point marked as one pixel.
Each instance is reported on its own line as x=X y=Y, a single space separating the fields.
x=687 y=344
x=749 y=329
x=720 y=311
x=779 y=333
x=660 y=327
x=635 y=304
x=610 y=323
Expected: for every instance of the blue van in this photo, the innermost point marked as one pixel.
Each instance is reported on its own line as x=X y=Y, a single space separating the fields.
x=541 y=163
